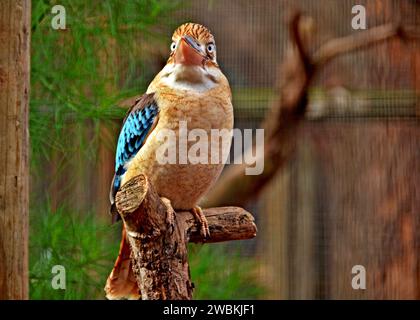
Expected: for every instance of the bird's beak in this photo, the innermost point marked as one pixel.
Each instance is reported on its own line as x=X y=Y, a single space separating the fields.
x=188 y=52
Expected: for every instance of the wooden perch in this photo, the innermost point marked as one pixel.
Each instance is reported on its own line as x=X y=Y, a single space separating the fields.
x=288 y=110
x=159 y=237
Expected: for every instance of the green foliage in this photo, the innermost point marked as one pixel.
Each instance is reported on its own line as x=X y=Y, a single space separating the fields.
x=81 y=73
x=77 y=77
x=219 y=272
x=84 y=246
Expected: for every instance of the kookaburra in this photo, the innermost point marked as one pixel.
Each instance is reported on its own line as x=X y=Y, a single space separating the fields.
x=190 y=89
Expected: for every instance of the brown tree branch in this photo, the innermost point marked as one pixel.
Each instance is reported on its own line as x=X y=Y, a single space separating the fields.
x=225 y=223
x=288 y=110
x=158 y=240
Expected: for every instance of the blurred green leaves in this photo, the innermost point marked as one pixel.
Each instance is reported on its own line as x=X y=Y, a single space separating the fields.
x=82 y=72
x=78 y=76
x=83 y=245
x=220 y=272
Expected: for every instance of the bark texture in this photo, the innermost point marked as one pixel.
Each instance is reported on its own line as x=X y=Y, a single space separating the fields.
x=159 y=237
x=14 y=171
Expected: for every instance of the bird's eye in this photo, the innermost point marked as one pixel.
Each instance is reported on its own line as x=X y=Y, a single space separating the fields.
x=173 y=46
x=210 y=48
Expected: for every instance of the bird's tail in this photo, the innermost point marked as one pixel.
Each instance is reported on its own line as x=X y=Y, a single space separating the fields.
x=121 y=283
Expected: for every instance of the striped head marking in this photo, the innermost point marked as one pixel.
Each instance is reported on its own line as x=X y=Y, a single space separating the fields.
x=195 y=36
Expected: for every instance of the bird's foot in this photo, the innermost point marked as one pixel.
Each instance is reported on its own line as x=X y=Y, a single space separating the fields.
x=170 y=213
x=202 y=220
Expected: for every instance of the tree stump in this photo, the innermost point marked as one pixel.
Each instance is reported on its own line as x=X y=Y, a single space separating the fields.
x=159 y=237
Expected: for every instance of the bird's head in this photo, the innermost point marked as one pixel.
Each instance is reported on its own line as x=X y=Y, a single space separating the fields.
x=193 y=45
x=193 y=57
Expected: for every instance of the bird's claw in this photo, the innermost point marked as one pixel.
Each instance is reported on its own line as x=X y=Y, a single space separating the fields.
x=198 y=214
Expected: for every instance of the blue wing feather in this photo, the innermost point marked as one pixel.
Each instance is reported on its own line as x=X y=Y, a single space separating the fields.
x=137 y=125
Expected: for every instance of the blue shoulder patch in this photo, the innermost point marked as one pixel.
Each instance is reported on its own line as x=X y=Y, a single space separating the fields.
x=136 y=127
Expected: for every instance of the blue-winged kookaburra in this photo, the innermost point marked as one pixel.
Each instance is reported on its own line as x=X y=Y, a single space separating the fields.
x=190 y=89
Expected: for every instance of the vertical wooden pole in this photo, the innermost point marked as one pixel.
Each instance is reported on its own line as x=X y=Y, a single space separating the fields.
x=14 y=142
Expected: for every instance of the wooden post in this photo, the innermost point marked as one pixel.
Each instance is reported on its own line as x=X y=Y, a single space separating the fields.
x=159 y=237
x=14 y=172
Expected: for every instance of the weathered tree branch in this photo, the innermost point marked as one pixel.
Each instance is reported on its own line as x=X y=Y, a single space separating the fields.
x=288 y=110
x=159 y=238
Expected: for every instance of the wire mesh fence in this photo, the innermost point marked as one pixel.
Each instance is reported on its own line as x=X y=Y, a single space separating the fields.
x=350 y=194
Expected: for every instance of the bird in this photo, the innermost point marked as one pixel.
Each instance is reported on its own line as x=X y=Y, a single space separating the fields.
x=191 y=89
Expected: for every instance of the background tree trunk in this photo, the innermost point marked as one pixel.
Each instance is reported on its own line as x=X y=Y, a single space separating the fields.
x=14 y=140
